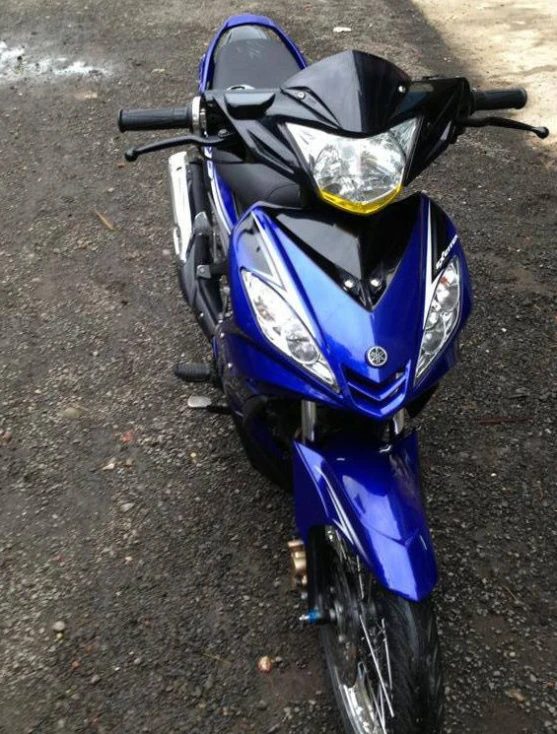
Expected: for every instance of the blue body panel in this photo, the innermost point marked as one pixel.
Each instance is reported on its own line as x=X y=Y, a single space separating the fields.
x=373 y=500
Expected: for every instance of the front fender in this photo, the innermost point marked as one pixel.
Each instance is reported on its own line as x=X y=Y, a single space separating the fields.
x=373 y=499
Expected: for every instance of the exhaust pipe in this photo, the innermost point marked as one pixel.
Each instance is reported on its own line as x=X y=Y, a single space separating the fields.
x=182 y=205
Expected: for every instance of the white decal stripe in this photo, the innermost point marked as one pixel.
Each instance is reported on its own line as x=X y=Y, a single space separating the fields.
x=430 y=284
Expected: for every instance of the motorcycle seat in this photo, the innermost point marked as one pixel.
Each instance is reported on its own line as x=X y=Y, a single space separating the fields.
x=253 y=182
x=249 y=56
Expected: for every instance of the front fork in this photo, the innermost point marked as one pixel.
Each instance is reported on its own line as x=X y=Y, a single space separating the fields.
x=308 y=562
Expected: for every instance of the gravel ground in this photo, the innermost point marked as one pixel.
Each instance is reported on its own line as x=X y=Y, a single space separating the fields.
x=135 y=526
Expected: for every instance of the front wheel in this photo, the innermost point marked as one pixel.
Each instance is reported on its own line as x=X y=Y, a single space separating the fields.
x=382 y=652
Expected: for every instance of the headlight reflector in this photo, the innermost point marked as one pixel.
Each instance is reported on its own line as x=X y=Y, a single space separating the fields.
x=442 y=317
x=361 y=175
x=284 y=328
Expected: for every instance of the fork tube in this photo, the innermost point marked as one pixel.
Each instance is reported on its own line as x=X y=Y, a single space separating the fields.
x=309 y=421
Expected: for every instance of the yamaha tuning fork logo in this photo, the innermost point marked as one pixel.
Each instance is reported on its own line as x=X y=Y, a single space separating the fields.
x=377 y=356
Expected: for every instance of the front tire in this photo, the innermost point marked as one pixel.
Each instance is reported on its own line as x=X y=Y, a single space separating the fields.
x=382 y=653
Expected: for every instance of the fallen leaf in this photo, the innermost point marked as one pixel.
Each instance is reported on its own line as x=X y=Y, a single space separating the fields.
x=496 y=420
x=516 y=694
x=86 y=95
x=75 y=664
x=5 y=437
x=127 y=437
x=107 y=223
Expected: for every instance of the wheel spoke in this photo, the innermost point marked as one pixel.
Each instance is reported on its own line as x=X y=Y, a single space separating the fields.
x=380 y=713
x=387 y=654
x=377 y=666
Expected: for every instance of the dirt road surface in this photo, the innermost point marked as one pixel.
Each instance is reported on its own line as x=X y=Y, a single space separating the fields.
x=512 y=43
x=135 y=526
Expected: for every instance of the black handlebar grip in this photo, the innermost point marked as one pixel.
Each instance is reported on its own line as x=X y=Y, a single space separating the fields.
x=499 y=99
x=161 y=119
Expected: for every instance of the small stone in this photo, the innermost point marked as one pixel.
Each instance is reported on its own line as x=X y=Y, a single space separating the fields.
x=127 y=506
x=94 y=679
x=71 y=413
x=59 y=627
x=264 y=664
x=262 y=705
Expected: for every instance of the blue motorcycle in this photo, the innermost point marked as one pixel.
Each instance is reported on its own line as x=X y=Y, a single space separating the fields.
x=333 y=308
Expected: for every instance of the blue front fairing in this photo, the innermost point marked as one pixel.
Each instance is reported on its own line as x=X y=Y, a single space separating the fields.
x=343 y=328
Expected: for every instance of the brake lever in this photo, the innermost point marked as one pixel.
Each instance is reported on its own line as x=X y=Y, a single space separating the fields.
x=541 y=132
x=215 y=141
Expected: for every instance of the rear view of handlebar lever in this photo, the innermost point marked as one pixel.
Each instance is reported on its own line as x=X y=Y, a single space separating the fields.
x=216 y=141
x=541 y=132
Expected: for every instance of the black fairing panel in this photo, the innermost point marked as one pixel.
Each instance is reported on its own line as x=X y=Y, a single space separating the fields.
x=352 y=93
x=355 y=249
x=359 y=91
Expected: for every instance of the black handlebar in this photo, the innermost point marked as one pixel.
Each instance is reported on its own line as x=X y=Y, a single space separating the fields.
x=499 y=99
x=158 y=119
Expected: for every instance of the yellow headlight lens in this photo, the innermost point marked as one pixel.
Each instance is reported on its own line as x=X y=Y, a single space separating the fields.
x=357 y=207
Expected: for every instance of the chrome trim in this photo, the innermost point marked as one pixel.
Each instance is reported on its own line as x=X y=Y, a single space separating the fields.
x=309 y=420
x=196 y=115
x=399 y=421
x=181 y=205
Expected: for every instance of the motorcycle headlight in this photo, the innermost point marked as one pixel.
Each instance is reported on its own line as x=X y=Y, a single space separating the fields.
x=360 y=175
x=441 y=318
x=284 y=328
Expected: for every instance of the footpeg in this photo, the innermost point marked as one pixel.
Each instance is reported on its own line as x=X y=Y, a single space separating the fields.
x=194 y=372
x=202 y=402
